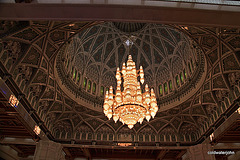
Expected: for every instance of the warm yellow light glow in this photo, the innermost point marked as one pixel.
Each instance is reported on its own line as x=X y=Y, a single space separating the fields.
x=13 y=101
x=238 y=110
x=124 y=144
x=37 y=130
x=130 y=105
x=211 y=136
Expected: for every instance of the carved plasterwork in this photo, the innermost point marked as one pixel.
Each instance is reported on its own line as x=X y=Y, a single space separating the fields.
x=28 y=52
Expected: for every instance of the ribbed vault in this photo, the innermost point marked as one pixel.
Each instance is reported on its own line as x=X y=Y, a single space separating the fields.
x=28 y=51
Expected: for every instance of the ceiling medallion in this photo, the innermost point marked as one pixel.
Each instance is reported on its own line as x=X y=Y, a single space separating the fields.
x=130 y=105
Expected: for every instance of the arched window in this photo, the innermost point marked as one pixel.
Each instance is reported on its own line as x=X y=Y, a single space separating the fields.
x=132 y=135
x=78 y=135
x=167 y=137
x=84 y=82
x=74 y=74
x=89 y=86
x=57 y=134
x=94 y=88
x=104 y=136
x=187 y=137
x=153 y=138
x=185 y=73
x=68 y=135
x=63 y=135
x=193 y=137
x=226 y=102
x=147 y=138
x=90 y=136
x=160 y=89
x=181 y=77
x=110 y=137
x=173 y=137
x=165 y=88
x=101 y=90
x=98 y=136
x=162 y=137
x=83 y=136
x=223 y=106
x=78 y=78
x=170 y=85
x=177 y=81
x=140 y=137
x=181 y=137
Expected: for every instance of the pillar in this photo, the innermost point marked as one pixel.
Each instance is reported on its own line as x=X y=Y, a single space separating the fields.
x=48 y=150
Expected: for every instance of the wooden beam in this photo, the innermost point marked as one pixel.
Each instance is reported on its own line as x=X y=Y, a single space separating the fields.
x=128 y=147
x=16 y=149
x=179 y=156
x=86 y=153
x=161 y=154
x=135 y=13
x=68 y=154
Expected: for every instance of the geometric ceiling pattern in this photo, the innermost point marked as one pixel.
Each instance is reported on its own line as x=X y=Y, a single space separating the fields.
x=28 y=52
x=162 y=51
x=165 y=54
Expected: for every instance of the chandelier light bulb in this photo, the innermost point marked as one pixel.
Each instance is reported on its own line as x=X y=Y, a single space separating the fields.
x=130 y=105
x=130 y=126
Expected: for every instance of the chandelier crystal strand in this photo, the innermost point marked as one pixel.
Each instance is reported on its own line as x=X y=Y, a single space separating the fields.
x=130 y=105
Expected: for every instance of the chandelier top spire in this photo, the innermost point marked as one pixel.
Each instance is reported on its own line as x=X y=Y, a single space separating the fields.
x=130 y=105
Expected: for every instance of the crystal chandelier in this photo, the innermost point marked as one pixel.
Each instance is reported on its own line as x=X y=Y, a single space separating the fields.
x=130 y=105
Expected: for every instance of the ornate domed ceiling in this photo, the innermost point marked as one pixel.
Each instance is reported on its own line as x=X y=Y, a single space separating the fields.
x=167 y=56
x=60 y=69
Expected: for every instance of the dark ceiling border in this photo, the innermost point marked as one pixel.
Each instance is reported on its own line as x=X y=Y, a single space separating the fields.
x=133 y=13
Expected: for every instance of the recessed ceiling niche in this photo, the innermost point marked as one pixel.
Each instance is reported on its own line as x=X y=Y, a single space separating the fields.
x=173 y=64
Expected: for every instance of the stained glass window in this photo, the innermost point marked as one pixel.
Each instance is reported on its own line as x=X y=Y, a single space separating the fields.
x=160 y=89
x=185 y=73
x=170 y=85
x=84 y=82
x=177 y=81
x=74 y=74
x=107 y=89
x=94 y=87
x=89 y=85
x=78 y=78
x=181 y=77
x=101 y=91
x=165 y=88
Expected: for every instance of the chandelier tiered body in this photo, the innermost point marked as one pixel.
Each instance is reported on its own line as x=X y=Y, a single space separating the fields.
x=130 y=105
